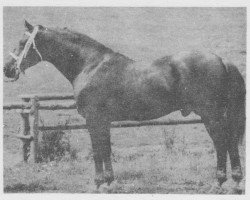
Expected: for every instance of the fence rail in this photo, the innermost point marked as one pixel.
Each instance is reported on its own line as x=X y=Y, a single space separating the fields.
x=124 y=124
x=29 y=111
x=43 y=97
x=16 y=105
x=26 y=105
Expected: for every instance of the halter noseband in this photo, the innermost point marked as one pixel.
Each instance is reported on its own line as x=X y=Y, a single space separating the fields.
x=27 y=46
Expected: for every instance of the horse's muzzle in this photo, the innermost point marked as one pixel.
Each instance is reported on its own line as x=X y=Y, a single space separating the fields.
x=11 y=73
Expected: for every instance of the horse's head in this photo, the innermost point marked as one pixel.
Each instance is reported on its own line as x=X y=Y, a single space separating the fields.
x=26 y=54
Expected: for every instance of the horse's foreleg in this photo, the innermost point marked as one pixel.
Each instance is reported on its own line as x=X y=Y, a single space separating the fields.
x=106 y=155
x=96 y=147
x=100 y=137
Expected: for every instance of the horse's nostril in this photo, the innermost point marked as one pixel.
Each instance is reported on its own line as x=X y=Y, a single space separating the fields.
x=9 y=70
x=5 y=69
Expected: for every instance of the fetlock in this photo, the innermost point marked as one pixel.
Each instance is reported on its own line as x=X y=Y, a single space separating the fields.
x=109 y=177
x=99 y=180
x=221 y=177
x=237 y=175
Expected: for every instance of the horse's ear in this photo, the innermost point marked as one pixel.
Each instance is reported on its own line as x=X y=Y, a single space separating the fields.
x=28 y=26
x=41 y=28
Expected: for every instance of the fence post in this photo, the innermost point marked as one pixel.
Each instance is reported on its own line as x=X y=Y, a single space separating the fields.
x=34 y=130
x=24 y=132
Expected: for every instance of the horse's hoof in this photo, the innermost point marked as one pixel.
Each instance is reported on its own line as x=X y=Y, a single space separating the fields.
x=238 y=191
x=216 y=189
x=108 y=188
x=235 y=191
x=92 y=188
x=104 y=188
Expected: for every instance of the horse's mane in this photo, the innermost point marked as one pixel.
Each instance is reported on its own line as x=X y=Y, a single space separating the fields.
x=75 y=39
x=80 y=39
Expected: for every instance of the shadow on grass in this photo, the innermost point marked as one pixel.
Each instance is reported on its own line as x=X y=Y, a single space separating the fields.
x=129 y=175
x=24 y=188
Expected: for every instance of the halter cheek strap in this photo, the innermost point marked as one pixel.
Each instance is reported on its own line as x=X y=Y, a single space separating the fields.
x=27 y=46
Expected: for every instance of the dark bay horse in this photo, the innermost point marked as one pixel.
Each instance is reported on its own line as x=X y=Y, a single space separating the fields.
x=109 y=86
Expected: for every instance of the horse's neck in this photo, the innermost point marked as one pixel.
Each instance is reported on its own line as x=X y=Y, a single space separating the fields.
x=70 y=59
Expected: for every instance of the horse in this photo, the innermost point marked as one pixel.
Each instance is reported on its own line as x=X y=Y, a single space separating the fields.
x=109 y=86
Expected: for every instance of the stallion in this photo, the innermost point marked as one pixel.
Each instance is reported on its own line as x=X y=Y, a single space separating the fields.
x=109 y=86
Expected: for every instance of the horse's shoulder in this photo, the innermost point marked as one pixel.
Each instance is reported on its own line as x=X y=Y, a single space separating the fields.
x=100 y=73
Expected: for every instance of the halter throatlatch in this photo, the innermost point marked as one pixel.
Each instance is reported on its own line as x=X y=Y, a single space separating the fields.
x=24 y=52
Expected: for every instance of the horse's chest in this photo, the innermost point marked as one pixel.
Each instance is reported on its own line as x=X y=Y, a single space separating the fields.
x=92 y=91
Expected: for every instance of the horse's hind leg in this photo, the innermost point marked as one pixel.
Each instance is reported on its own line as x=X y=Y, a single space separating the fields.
x=236 y=115
x=216 y=127
x=99 y=130
x=237 y=129
x=235 y=164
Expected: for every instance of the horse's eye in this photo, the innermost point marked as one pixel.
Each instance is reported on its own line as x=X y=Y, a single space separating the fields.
x=21 y=44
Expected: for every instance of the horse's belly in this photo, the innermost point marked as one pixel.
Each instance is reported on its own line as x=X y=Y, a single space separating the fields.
x=139 y=109
x=138 y=115
x=147 y=114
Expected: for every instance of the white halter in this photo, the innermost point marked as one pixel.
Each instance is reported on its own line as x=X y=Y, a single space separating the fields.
x=28 y=44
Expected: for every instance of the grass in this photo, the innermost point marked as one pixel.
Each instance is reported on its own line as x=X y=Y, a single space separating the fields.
x=139 y=168
x=54 y=145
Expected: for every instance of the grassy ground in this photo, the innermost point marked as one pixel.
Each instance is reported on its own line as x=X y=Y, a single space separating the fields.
x=173 y=159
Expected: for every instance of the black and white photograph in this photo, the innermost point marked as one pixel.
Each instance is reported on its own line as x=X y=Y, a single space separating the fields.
x=124 y=100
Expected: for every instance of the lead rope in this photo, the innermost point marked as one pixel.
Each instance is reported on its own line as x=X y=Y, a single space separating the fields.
x=28 y=44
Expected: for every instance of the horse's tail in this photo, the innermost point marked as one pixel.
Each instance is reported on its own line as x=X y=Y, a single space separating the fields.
x=236 y=97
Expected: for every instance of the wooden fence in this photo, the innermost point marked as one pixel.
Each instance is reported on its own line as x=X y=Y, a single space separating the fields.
x=29 y=110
